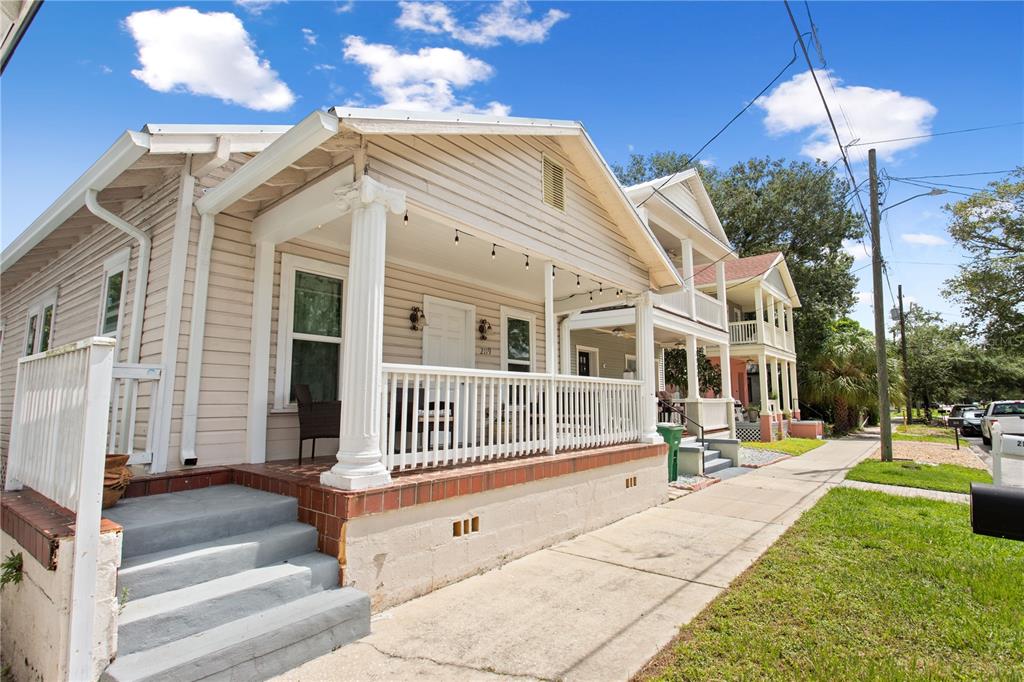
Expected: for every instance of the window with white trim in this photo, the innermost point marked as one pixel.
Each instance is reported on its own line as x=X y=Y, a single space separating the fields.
x=309 y=329
x=517 y=340
x=39 y=329
x=629 y=364
x=115 y=275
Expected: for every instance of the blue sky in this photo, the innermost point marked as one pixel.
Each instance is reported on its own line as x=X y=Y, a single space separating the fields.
x=641 y=76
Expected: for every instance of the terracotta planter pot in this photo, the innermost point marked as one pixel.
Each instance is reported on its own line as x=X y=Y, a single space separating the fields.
x=116 y=477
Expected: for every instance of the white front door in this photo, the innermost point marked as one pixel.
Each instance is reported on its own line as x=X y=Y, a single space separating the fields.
x=448 y=336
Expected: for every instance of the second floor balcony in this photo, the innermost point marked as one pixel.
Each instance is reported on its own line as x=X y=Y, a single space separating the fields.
x=751 y=332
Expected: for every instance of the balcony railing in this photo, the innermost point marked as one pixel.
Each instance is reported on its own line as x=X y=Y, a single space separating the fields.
x=679 y=301
x=709 y=310
x=748 y=331
x=437 y=416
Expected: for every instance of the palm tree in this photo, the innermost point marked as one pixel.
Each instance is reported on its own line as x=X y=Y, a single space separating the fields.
x=841 y=379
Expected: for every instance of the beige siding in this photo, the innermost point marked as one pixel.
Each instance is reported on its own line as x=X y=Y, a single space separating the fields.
x=78 y=276
x=493 y=184
x=612 y=351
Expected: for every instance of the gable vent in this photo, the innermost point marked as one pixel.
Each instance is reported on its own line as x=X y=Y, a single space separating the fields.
x=554 y=184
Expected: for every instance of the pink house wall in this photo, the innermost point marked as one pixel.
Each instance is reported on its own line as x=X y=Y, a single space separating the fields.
x=739 y=378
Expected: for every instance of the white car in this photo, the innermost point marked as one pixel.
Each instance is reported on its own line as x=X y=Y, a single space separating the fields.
x=1009 y=414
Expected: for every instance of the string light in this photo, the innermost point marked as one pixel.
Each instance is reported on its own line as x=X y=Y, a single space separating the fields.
x=494 y=252
x=618 y=293
x=405 y=219
x=600 y=288
x=577 y=281
x=553 y=268
x=591 y=296
x=456 y=237
x=527 y=261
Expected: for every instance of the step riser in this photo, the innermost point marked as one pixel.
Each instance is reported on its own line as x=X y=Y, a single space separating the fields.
x=176 y=623
x=716 y=465
x=216 y=561
x=255 y=648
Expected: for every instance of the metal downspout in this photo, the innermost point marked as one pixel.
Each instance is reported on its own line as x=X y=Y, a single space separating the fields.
x=138 y=296
x=197 y=331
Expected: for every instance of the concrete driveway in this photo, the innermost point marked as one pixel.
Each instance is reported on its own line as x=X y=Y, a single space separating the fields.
x=599 y=606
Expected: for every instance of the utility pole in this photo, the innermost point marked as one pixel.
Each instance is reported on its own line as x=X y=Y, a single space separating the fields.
x=876 y=281
x=903 y=352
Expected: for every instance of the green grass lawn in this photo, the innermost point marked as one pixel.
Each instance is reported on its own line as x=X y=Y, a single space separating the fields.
x=865 y=586
x=789 y=446
x=948 y=477
x=924 y=433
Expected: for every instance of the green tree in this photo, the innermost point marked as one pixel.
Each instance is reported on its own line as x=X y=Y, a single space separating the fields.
x=799 y=208
x=989 y=225
x=709 y=376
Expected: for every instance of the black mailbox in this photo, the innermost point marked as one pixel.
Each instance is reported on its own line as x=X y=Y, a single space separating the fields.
x=997 y=510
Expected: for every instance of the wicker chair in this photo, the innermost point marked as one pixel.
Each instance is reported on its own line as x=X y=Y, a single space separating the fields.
x=413 y=423
x=316 y=419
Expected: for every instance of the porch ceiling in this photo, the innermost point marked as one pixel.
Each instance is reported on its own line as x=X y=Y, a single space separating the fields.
x=428 y=243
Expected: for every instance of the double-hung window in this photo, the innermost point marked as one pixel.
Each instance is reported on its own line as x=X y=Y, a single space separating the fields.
x=309 y=329
x=115 y=271
x=517 y=340
x=39 y=330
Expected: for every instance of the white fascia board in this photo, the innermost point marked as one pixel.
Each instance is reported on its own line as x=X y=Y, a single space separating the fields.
x=128 y=149
x=660 y=183
x=300 y=139
x=620 y=195
x=302 y=210
x=393 y=122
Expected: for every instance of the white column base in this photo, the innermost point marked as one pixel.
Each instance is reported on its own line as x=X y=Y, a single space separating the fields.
x=652 y=438
x=357 y=472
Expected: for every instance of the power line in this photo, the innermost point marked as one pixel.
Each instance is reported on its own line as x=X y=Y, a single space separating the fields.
x=956 y=175
x=947 y=132
x=690 y=158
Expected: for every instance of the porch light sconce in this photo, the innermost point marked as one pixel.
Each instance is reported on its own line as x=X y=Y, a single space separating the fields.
x=418 y=319
x=751 y=366
x=483 y=328
x=619 y=331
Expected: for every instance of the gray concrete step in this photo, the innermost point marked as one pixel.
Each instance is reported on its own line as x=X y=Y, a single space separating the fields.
x=717 y=464
x=171 y=569
x=168 y=616
x=255 y=647
x=710 y=455
x=159 y=522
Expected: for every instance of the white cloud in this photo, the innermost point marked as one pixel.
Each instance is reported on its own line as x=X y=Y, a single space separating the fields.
x=310 y=36
x=864 y=297
x=506 y=19
x=423 y=80
x=858 y=250
x=105 y=70
x=258 y=6
x=875 y=114
x=345 y=7
x=324 y=67
x=923 y=239
x=182 y=49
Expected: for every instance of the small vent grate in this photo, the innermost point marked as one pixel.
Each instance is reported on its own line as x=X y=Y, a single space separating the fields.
x=554 y=184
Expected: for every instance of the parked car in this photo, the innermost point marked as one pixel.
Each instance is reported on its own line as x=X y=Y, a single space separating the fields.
x=971 y=424
x=1009 y=414
x=957 y=411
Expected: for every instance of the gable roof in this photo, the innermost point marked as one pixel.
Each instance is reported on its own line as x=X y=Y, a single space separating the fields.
x=746 y=269
x=678 y=190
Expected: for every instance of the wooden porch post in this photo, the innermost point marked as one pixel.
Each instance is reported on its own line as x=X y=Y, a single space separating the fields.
x=564 y=346
x=759 y=307
x=762 y=376
x=645 y=369
x=259 y=353
x=688 y=279
x=784 y=380
x=795 y=406
x=550 y=351
x=360 y=463
x=692 y=382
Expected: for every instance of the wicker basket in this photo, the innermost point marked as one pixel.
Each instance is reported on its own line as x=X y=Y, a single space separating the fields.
x=116 y=477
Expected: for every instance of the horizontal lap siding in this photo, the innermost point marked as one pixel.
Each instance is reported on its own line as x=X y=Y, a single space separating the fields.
x=612 y=351
x=492 y=185
x=78 y=275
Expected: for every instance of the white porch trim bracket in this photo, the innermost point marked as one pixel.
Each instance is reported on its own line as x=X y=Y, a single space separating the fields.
x=360 y=461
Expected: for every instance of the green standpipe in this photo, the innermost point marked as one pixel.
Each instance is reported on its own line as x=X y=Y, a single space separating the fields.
x=672 y=433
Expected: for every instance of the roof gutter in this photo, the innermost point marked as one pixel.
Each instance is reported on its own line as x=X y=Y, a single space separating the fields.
x=128 y=149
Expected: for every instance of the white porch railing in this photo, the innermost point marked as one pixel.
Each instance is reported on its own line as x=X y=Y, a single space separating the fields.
x=743 y=332
x=679 y=301
x=124 y=410
x=58 y=439
x=436 y=416
x=709 y=310
x=715 y=412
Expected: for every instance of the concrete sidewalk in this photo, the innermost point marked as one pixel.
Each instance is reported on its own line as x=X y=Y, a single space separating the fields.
x=597 y=607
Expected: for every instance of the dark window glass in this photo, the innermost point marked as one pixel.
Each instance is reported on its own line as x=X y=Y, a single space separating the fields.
x=44 y=338
x=112 y=303
x=315 y=363
x=30 y=345
x=518 y=335
x=317 y=305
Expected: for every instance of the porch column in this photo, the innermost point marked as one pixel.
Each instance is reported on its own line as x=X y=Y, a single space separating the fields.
x=645 y=369
x=720 y=291
x=563 y=344
x=759 y=308
x=780 y=315
x=770 y=305
x=796 y=397
x=725 y=365
x=550 y=352
x=762 y=376
x=259 y=353
x=692 y=383
x=775 y=380
x=784 y=379
x=789 y=324
x=360 y=463
x=688 y=278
